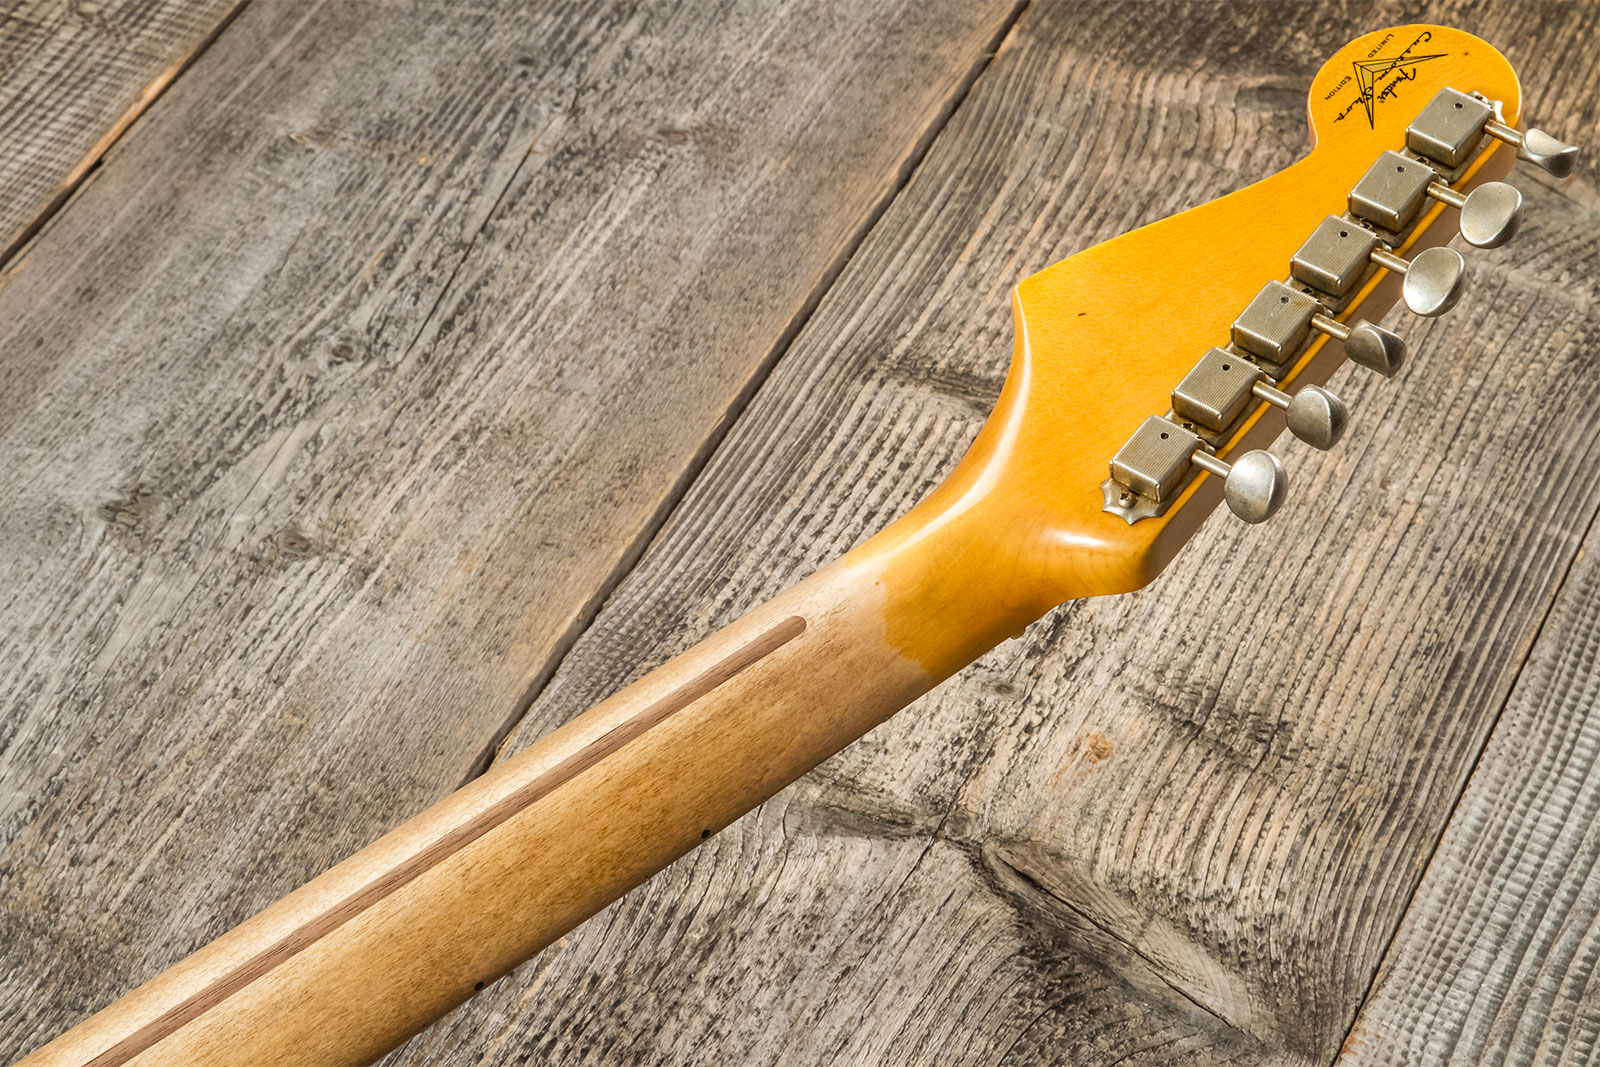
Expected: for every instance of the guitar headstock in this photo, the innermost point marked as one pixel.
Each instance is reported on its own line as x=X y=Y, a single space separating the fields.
x=1151 y=370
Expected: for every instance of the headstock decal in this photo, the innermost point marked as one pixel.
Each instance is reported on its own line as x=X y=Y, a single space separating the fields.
x=1379 y=78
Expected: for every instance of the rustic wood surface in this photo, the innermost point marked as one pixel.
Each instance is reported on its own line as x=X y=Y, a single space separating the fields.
x=73 y=77
x=1495 y=962
x=339 y=396
x=338 y=415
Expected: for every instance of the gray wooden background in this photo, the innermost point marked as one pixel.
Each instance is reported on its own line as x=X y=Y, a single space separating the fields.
x=404 y=378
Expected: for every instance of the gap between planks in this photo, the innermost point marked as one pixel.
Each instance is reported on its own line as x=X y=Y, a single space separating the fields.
x=80 y=174
x=1588 y=529
x=625 y=565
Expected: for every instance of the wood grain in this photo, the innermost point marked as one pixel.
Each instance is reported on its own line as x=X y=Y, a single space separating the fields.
x=1174 y=827
x=340 y=396
x=73 y=77
x=1495 y=962
x=279 y=952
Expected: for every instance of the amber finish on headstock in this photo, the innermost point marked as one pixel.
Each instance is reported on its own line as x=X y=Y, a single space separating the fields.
x=1103 y=337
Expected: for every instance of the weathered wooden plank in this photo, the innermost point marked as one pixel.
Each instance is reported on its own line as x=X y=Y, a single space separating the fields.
x=72 y=79
x=337 y=397
x=1179 y=826
x=1495 y=963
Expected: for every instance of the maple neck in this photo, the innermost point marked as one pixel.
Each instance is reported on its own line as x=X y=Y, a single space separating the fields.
x=356 y=961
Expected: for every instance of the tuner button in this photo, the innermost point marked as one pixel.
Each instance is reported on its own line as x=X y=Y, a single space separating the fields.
x=1490 y=214
x=1375 y=348
x=1253 y=485
x=1315 y=415
x=1432 y=279
x=1554 y=156
x=1367 y=344
x=1433 y=284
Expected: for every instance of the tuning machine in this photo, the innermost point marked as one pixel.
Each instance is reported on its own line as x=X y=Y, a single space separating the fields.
x=1394 y=190
x=1280 y=318
x=1449 y=128
x=1335 y=257
x=1157 y=459
x=1219 y=388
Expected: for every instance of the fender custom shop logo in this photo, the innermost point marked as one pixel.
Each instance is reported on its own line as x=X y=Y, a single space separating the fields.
x=1379 y=78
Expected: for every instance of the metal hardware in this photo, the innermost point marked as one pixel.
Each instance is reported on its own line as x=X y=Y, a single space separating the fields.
x=1392 y=191
x=1391 y=195
x=1335 y=257
x=1216 y=391
x=1366 y=343
x=1314 y=414
x=1254 y=485
x=1155 y=460
x=1148 y=472
x=1449 y=128
x=1432 y=279
x=1534 y=146
x=1490 y=214
x=1279 y=319
x=1160 y=455
x=1275 y=323
x=1126 y=504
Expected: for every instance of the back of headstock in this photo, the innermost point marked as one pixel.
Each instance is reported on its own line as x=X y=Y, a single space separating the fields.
x=1152 y=370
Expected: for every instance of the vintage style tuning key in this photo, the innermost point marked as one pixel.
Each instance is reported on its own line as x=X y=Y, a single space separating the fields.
x=1315 y=415
x=1220 y=386
x=1366 y=343
x=1157 y=458
x=1537 y=147
x=1278 y=320
x=1253 y=485
x=1432 y=279
x=1449 y=128
x=1393 y=191
x=1490 y=214
x=1335 y=257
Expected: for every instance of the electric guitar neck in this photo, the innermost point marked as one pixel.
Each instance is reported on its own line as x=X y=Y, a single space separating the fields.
x=1149 y=374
